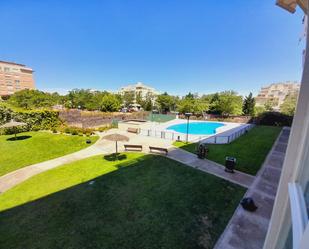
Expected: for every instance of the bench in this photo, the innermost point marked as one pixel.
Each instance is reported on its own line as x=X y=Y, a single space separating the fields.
x=151 y=148
x=133 y=147
x=133 y=130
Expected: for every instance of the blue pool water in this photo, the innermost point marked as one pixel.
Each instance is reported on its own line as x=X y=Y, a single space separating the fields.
x=197 y=128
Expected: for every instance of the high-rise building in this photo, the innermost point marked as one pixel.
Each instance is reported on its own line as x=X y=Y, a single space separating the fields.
x=15 y=77
x=276 y=93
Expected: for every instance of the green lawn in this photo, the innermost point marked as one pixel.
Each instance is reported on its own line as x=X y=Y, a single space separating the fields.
x=37 y=147
x=142 y=201
x=250 y=149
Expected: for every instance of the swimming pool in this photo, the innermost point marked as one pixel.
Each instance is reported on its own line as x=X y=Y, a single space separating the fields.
x=196 y=128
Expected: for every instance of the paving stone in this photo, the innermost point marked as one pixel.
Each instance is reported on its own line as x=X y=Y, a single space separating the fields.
x=284 y=139
x=266 y=187
x=281 y=147
x=264 y=204
x=275 y=160
x=271 y=175
x=247 y=233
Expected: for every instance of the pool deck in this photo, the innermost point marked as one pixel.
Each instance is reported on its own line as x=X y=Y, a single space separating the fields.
x=156 y=128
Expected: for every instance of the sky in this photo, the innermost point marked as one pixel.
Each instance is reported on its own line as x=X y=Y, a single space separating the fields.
x=202 y=46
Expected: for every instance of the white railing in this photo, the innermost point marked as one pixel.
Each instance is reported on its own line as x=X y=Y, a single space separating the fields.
x=215 y=139
x=226 y=139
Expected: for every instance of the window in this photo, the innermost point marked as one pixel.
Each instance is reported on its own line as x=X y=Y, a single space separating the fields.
x=299 y=214
x=17 y=82
x=6 y=69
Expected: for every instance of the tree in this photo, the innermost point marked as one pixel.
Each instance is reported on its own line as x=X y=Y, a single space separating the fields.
x=148 y=102
x=110 y=103
x=196 y=106
x=139 y=98
x=128 y=98
x=94 y=101
x=288 y=107
x=248 y=105
x=269 y=105
x=31 y=99
x=166 y=102
x=189 y=96
x=258 y=110
x=227 y=103
x=78 y=98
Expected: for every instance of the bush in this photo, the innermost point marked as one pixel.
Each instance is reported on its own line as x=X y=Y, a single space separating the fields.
x=274 y=119
x=67 y=130
x=74 y=132
x=10 y=131
x=38 y=119
x=5 y=114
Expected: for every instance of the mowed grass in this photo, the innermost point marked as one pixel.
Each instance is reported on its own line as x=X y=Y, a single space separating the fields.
x=142 y=201
x=36 y=147
x=250 y=149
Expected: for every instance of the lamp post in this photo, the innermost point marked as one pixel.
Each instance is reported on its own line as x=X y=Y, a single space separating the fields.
x=188 y=114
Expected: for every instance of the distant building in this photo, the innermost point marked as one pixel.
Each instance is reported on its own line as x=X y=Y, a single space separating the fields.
x=139 y=88
x=14 y=77
x=276 y=93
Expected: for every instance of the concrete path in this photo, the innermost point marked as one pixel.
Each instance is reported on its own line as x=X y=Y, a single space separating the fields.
x=101 y=147
x=11 y=179
x=210 y=167
x=248 y=230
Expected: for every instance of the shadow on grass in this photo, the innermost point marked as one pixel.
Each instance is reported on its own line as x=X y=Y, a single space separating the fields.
x=18 y=138
x=149 y=187
x=114 y=157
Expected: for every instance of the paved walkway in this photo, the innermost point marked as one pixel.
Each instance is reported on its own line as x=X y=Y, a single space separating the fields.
x=101 y=147
x=248 y=230
x=210 y=167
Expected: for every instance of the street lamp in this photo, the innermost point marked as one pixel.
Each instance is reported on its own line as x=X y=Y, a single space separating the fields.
x=188 y=114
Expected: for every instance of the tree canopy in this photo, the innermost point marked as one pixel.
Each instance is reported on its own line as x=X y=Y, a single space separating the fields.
x=30 y=99
x=288 y=107
x=166 y=103
x=248 y=107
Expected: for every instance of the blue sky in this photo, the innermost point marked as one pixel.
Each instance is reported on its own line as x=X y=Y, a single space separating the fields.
x=176 y=46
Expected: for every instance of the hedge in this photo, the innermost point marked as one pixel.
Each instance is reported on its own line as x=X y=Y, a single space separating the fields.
x=36 y=119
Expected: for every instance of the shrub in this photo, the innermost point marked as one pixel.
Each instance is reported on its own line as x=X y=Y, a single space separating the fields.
x=274 y=119
x=10 y=131
x=5 y=114
x=38 y=119
x=67 y=130
x=74 y=132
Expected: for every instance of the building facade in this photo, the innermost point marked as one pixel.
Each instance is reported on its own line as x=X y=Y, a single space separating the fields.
x=15 y=77
x=276 y=93
x=289 y=224
x=139 y=88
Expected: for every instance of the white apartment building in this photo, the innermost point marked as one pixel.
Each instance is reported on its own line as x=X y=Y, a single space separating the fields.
x=139 y=88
